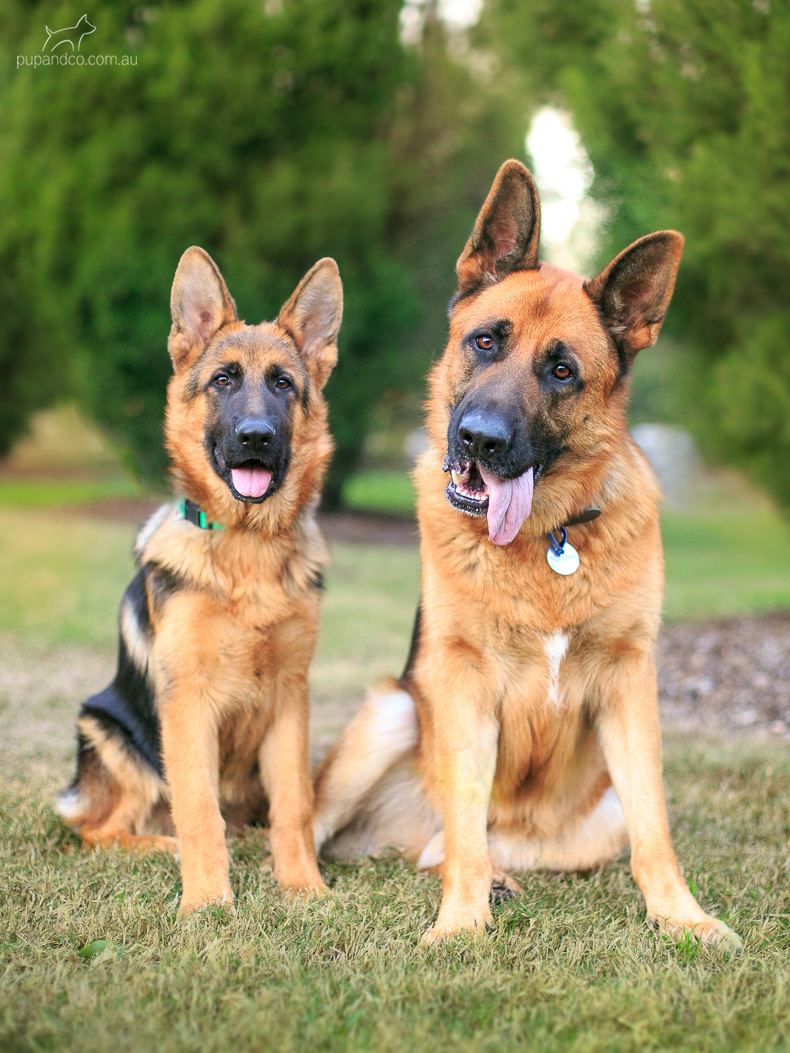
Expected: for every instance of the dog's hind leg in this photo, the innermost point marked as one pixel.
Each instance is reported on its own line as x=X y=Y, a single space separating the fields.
x=110 y=817
x=595 y=839
x=381 y=734
x=115 y=798
x=114 y=831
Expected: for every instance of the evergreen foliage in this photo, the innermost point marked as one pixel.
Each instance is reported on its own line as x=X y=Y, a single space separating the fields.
x=270 y=134
x=683 y=108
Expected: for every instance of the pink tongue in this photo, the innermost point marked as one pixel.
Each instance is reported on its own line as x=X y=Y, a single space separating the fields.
x=251 y=482
x=509 y=504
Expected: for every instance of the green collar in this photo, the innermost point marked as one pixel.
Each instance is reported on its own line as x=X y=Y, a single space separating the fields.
x=195 y=515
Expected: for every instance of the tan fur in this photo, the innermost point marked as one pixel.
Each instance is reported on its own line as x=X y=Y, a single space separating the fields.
x=532 y=693
x=230 y=646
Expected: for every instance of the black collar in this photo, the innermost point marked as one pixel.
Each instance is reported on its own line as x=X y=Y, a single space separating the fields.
x=195 y=515
x=585 y=516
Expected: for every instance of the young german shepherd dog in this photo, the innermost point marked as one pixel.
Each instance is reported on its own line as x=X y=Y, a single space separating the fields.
x=524 y=733
x=206 y=719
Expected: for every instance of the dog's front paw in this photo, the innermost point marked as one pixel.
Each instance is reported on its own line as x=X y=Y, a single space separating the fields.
x=706 y=930
x=310 y=890
x=450 y=923
x=504 y=887
x=194 y=899
x=300 y=879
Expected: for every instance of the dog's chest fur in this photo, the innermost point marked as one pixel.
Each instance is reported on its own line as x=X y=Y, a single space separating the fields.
x=243 y=615
x=541 y=644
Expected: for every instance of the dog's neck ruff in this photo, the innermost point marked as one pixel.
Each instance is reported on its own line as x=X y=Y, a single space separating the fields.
x=195 y=515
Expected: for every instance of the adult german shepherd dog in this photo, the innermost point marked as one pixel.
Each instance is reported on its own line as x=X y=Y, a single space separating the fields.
x=524 y=733
x=206 y=719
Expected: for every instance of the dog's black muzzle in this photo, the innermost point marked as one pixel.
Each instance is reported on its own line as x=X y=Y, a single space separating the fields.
x=484 y=436
x=252 y=443
x=256 y=434
x=483 y=433
x=494 y=436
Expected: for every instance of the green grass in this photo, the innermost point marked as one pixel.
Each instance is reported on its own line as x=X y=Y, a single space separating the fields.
x=18 y=492
x=380 y=491
x=62 y=576
x=725 y=562
x=94 y=959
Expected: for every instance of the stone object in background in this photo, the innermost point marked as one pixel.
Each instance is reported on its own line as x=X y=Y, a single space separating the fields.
x=674 y=459
x=415 y=442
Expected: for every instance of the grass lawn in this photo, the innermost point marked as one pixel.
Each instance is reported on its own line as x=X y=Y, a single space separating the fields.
x=94 y=959
x=381 y=491
x=721 y=563
x=19 y=492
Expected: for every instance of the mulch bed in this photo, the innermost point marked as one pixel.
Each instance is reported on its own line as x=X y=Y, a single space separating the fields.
x=730 y=674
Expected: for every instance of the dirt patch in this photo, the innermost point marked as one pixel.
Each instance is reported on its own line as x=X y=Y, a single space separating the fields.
x=132 y=510
x=732 y=674
x=372 y=528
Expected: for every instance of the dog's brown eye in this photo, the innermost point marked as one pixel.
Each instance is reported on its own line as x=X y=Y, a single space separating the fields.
x=283 y=382
x=484 y=342
x=561 y=372
x=222 y=380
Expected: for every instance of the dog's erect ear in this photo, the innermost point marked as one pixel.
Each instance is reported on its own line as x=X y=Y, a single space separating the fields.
x=200 y=305
x=313 y=315
x=634 y=290
x=506 y=233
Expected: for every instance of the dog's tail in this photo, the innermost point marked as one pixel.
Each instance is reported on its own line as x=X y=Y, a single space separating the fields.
x=49 y=37
x=381 y=735
x=71 y=805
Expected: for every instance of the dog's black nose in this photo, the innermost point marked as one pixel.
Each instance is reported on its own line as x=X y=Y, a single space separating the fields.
x=483 y=434
x=255 y=432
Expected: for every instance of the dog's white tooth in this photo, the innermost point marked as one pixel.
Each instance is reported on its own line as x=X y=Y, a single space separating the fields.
x=456 y=477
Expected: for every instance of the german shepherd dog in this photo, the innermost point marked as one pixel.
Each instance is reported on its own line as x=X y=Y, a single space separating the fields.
x=206 y=719
x=524 y=733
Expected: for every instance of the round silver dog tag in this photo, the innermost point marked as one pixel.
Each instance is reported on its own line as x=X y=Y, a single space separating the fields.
x=566 y=562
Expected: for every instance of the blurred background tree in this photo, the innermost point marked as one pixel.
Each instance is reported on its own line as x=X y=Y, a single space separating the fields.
x=684 y=110
x=270 y=133
x=276 y=132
